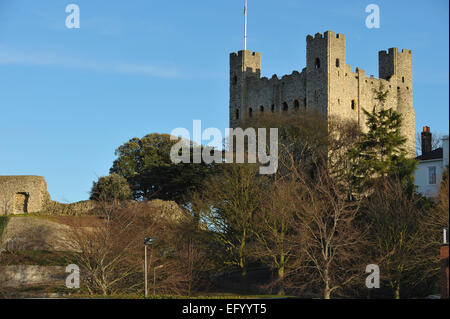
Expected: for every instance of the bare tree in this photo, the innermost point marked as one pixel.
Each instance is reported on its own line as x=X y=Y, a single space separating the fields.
x=275 y=237
x=330 y=239
x=310 y=191
x=193 y=260
x=109 y=253
x=431 y=224
x=182 y=261
x=441 y=216
x=395 y=217
x=227 y=205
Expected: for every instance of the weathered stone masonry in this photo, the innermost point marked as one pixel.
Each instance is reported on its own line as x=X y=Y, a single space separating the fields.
x=327 y=84
x=22 y=194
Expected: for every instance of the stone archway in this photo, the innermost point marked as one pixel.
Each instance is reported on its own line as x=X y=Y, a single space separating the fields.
x=21 y=203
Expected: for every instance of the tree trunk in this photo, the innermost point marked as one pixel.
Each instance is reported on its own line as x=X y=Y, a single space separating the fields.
x=397 y=292
x=243 y=267
x=327 y=290
x=242 y=264
x=281 y=276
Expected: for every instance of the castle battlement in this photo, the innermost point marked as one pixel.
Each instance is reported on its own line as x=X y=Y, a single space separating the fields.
x=327 y=84
x=241 y=53
x=394 y=50
x=326 y=35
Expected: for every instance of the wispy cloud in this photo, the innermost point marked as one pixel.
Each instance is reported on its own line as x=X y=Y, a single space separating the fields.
x=11 y=57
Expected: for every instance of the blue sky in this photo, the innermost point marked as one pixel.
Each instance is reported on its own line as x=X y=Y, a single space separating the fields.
x=70 y=97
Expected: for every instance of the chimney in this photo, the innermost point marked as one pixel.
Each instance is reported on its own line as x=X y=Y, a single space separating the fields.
x=426 y=140
x=444 y=265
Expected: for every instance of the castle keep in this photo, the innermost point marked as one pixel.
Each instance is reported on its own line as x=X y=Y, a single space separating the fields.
x=326 y=84
x=22 y=194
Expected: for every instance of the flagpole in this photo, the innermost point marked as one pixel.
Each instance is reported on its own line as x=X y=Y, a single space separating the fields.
x=245 y=27
x=244 y=86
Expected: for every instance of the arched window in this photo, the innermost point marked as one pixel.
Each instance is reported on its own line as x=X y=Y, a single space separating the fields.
x=261 y=108
x=317 y=64
x=353 y=104
x=285 y=107
x=235 y=80
x=403 y=79
x=250 y=112
x=296 y=105
x=338 y=63
x=237 y=114
x=272 y=108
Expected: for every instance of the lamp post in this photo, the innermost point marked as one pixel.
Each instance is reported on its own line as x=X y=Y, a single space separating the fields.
x=147 y=242
x=154 y=278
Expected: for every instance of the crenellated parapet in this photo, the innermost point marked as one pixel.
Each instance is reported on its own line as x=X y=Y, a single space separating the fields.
x=327 y=83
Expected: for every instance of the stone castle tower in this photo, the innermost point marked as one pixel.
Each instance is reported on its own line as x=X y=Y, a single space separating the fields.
x=327 y=84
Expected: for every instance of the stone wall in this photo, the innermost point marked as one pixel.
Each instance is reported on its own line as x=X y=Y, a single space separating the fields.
x=22 y=194
x=34 y=233
x=53 y=208
x=18 y=276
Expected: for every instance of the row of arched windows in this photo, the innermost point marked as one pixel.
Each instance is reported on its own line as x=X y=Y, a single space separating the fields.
x=285 y=108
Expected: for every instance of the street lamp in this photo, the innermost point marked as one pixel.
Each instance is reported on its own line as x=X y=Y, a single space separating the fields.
x=154 y=278
x=147 y=242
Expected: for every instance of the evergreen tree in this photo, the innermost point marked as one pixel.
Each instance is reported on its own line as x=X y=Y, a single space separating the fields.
x=110 y=188
x=147 y=167
x=380 y=153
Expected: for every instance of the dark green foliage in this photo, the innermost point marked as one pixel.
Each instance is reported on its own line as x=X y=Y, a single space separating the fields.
x=380 y=152
x=145 y=163
x=112 y=187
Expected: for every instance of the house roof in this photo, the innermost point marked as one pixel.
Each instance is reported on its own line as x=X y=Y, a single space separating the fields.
x=434 y=154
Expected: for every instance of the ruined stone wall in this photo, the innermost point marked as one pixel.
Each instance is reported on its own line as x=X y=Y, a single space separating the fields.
x=327 y=84
x=22 y=194
x=86 y=207
x=29 y=275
